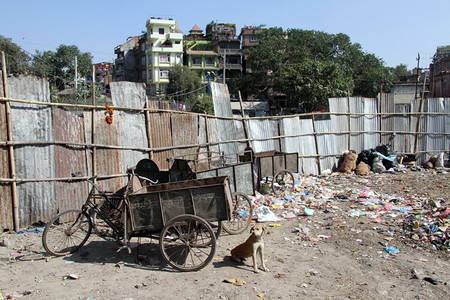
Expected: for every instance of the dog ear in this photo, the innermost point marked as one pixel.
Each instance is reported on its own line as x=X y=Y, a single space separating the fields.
x=264 y=229
x=252 y=229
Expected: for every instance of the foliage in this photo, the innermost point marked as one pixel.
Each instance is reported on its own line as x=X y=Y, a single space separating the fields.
x=204 y=105
x=334 y=64
x=308 y=85
x=184 y=84
x=17 y=61
x=402 y=70
x=59 y=66
x=182 y=79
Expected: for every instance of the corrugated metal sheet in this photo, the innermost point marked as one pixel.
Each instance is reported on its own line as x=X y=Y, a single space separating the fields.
x=36 y=200
x=108 y=161
x=160 y=129
x=340 y=123
x=326 y=145
x=184 y=132
x=264 y=129
x=69 y=127
x=356 y=123
x=133 y=132
x=371 y=124
x=436 y=124
x=222 y=108
x=303 y=144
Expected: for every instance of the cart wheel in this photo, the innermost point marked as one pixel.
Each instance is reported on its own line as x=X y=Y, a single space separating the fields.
x=283 y=182
x=241 y=216
x=67 y=232
x=187 y=243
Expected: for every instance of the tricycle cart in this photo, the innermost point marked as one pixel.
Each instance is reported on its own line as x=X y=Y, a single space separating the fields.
x=176 y=213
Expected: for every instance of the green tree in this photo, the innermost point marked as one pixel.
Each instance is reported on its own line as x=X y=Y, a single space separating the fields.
x=59 y=66
x=17 y=60
x=309 y=84
x=184 y=84
x=204 y=105
x=401 y=70
x=322 y=55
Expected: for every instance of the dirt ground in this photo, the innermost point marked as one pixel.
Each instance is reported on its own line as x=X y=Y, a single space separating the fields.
x=341 y=251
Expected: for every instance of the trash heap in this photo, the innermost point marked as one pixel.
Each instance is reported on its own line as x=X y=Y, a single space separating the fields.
x=415 y=218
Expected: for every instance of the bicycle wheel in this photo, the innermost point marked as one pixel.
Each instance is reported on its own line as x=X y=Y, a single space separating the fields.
x=241 y=216
x=187 y=243
x=66 y=232
x=283 y=182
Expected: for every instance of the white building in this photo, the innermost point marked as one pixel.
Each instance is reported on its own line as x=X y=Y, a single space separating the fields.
x=164 y=50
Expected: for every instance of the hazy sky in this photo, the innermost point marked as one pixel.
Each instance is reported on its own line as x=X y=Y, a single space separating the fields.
x=394 y=30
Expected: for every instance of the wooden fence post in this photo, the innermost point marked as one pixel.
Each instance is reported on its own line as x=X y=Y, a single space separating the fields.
x=12 y=166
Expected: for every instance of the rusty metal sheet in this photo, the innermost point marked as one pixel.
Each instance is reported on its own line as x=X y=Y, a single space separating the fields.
x=107 y=161
x=31 y=122
x=208 y=198
x=69 y=127
x=184 y=132
x=241 y=177
x=161 y=136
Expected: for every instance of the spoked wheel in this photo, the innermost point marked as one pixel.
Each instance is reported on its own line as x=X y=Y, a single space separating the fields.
x=187 y=243
x=67 y=232
x=283 y=182
x=102 y=228
x=241 y=216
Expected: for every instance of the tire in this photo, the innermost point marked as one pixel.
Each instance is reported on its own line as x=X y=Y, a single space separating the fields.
x=67 y=232
x=241 y=215
x=283 y=182
x=187 y=243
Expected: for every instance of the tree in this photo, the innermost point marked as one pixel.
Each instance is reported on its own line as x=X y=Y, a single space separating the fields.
x=309 y=84
x=401 y=70
x=17 y=60
x=59 y=66
x=184 y=83
x=318 y=54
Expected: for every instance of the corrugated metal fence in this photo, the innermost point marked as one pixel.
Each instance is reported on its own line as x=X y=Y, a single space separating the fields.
x=52 y=142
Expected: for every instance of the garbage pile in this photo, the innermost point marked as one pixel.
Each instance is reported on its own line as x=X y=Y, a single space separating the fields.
x=416 y=218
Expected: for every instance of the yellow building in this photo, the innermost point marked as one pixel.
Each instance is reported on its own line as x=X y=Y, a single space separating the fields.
x=164 y=50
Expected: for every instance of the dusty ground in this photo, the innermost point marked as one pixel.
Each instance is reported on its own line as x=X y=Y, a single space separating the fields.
x=337 y=253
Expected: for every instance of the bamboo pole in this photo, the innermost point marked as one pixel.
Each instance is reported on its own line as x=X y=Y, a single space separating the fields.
x=94 y=149
x=316 y=143
x=148 y=129
x=12 y=166
x=244 y=121
x=416 y=140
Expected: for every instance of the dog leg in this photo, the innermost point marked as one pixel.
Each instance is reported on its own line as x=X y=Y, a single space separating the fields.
x=255 y=265
x=261 y=254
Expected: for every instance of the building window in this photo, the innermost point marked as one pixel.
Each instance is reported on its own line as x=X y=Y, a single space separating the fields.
x=178 y=57
x=161 y=30
x=164 y=58
x=210 y=61
x=143 y=47
x=197 y=61
x=254 y=38
x=149 y=76
x=143 y=75
x=164 y=73
x=143 y=61
x=177 y=42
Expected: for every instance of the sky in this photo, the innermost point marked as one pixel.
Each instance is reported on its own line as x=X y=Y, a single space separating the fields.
x=396 y=31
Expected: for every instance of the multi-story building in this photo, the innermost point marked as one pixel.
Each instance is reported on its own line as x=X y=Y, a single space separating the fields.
x=141 y=59
x=440 y=73
x=125 y=62
x=228 y=47
x=199 y=55
x=164 y=50
x=103 y=75
x=249 y=38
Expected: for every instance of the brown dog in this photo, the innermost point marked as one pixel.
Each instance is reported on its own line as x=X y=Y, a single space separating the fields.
x=251 y=246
